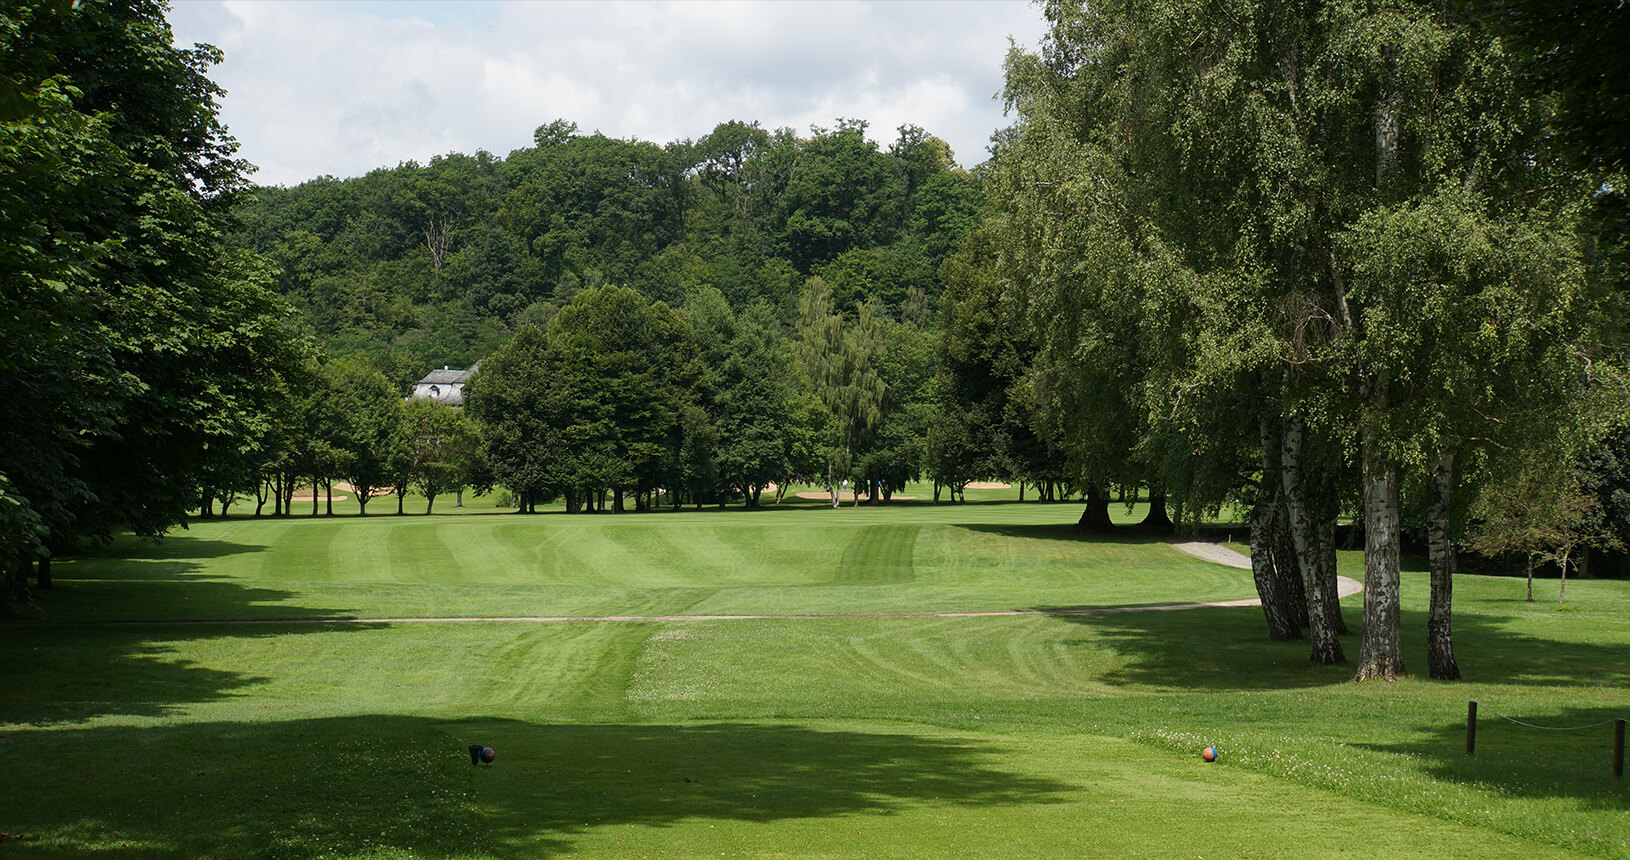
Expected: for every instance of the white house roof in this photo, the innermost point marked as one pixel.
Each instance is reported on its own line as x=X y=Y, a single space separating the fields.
x=447 y=376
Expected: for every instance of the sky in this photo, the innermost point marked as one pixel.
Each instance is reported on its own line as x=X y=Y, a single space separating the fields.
x=320 y=87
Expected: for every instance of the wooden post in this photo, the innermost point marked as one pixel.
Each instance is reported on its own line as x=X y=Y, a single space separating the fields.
x=1471 y=727
x=1618 y=749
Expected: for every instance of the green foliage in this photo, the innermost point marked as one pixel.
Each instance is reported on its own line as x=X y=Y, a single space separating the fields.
x=754 y=406
x=443 y=262
x=442 y=448
x=370 y=415
x=1340 y=228
x=836 y=358
x=143 y=353
x=513 y=397
x=1571 y=52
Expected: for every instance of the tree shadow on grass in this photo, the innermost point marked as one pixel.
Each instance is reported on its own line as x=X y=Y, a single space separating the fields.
x=101 y=642
x=133 y=580
x=61 y=674
x=1130 y=535
x=1527 y=762
x=1221 y=648
x=1227 y=648
x=176 y=546
x=360 y=784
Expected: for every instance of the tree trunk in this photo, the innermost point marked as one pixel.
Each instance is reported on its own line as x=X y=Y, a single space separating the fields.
x=1560 y=593
x=1021 y=491
x=1327 y=507
x=260 y=496
x=42 y=573
x=1282 y=626
x=316 y=499
x=1321 y=627
x=1440 y=645
x=1158 y=518
x=1096 y=516
x=1287 y=568
x=401 y=501
x=458 y=498
x=1277 y=607
x=1380 y=647
x=1530 y=577
x=277 y=495
x=328 y=490
x=429 y=502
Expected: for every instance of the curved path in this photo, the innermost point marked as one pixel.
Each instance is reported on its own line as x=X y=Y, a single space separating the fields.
x=1345 y=586
x=1199 y=549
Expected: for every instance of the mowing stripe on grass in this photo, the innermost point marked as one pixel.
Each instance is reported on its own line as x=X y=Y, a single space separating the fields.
x=879 y=554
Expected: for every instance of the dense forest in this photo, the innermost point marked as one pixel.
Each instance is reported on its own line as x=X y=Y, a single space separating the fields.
x=704 y=319
x=439 y=264
x=1326 y=265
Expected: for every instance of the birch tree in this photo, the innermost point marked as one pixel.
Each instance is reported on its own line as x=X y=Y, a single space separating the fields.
x=1282 y=199
x=837 y=359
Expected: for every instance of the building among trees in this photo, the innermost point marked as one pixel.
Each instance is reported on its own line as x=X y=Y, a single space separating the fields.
x=445 y=385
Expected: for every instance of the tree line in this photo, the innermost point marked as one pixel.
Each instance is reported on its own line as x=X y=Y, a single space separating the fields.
x=622 y=402
x=1331 y=260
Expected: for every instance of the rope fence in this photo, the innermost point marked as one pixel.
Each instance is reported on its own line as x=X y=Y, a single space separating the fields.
x=1617 y=724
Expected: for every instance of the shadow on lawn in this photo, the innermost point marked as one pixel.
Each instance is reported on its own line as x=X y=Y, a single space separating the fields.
x=1527 y=762
x=361 y=784
x=1228 y=649
x=174 y=546
x=71 y=673
x=1130 y=535
x=1224 y=648
x=104 y=645
x=133 y=580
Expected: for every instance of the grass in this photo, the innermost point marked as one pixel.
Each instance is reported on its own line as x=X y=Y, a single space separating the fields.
x=877 y=736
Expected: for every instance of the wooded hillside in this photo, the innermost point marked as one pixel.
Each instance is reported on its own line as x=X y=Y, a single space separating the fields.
x=436 y=264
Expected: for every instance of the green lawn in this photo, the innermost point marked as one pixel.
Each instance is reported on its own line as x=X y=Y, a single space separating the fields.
x=871 y=730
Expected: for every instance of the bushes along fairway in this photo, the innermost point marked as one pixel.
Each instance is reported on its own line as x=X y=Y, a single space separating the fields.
x=876 y=736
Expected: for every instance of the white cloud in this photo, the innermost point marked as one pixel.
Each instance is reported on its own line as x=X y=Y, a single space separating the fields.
x=342 y=88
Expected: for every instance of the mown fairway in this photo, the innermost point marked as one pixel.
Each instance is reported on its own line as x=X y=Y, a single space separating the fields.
x=335 y=724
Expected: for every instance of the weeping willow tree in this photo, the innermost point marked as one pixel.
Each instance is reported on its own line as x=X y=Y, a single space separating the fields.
x=837 y=358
